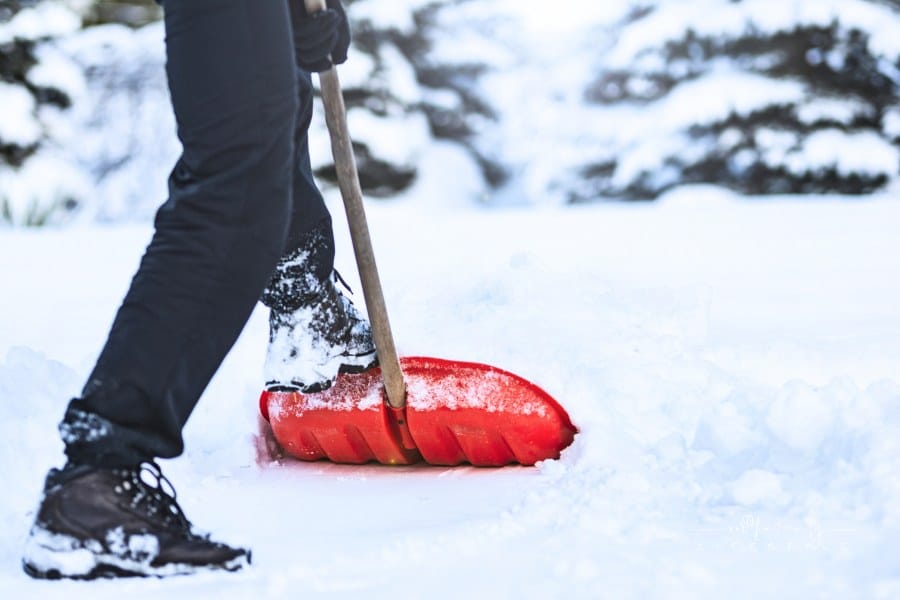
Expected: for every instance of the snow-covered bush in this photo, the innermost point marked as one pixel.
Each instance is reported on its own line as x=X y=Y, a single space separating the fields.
x=436 y=56
x=762 y=96
x=38 y=185
x=123 y=122
x=626 y=99
x=384 y=103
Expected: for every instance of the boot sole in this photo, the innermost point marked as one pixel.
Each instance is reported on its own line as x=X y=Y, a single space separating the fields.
x=363 y=364
x=103 y=570
x=71 y=560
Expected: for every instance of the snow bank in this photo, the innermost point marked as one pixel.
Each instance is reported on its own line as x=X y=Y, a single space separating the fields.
x=736 y=394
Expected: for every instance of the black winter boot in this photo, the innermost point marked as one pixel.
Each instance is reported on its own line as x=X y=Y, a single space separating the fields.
x=99 y=522
x=315 y=332
x=309 y=346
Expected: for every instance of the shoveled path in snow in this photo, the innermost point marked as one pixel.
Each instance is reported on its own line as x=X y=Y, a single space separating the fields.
x=732 y=366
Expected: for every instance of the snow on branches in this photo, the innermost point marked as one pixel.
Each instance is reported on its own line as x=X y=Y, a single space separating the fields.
x=38 y=184
x=761 y=96
x=623 y=99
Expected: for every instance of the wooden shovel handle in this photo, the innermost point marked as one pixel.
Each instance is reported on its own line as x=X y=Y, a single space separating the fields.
x=348 y=180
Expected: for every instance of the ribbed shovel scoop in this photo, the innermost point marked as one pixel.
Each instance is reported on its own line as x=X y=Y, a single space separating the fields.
x=456 y=412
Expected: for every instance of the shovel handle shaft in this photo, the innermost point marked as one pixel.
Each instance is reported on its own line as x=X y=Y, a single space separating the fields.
x=348 y=181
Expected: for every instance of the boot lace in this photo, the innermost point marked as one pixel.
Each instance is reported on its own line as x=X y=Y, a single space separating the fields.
x=151 y=492
x=343 y=282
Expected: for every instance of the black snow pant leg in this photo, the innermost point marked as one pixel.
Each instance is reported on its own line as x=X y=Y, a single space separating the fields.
x=218 y=237
x=309 y=215
x=309 y=249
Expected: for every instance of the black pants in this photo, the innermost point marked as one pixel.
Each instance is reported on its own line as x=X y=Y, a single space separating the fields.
x=240 y=198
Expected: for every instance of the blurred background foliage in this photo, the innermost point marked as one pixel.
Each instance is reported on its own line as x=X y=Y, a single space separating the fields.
x=622 y=100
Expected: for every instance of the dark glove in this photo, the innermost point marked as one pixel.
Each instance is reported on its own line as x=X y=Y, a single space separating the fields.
x=318 y=36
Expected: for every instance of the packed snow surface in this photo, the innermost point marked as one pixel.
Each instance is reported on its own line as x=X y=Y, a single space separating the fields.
x=731 y=366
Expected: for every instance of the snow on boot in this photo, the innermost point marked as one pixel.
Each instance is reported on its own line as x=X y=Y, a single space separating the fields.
x=99 y=522
x=315 y=332
x=310 y=345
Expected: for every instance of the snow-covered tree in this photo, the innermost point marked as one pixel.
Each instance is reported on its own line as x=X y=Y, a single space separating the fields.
x=37 y=83
x=762 y=96
x=384 y=103
x=421 y=42
x=621 y=99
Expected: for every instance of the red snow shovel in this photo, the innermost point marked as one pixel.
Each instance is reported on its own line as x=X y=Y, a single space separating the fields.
x=411 y=409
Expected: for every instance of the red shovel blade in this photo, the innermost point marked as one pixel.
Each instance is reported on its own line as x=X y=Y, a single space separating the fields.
x=457 y=412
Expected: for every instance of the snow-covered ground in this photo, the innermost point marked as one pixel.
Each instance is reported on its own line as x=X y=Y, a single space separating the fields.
x=731 y=364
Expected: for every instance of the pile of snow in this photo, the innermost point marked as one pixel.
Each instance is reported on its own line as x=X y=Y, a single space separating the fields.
x=737 y=398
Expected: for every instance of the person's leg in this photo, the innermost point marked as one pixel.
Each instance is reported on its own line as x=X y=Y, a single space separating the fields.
x=309 y=215
x=309 y=249
x=217 y=239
